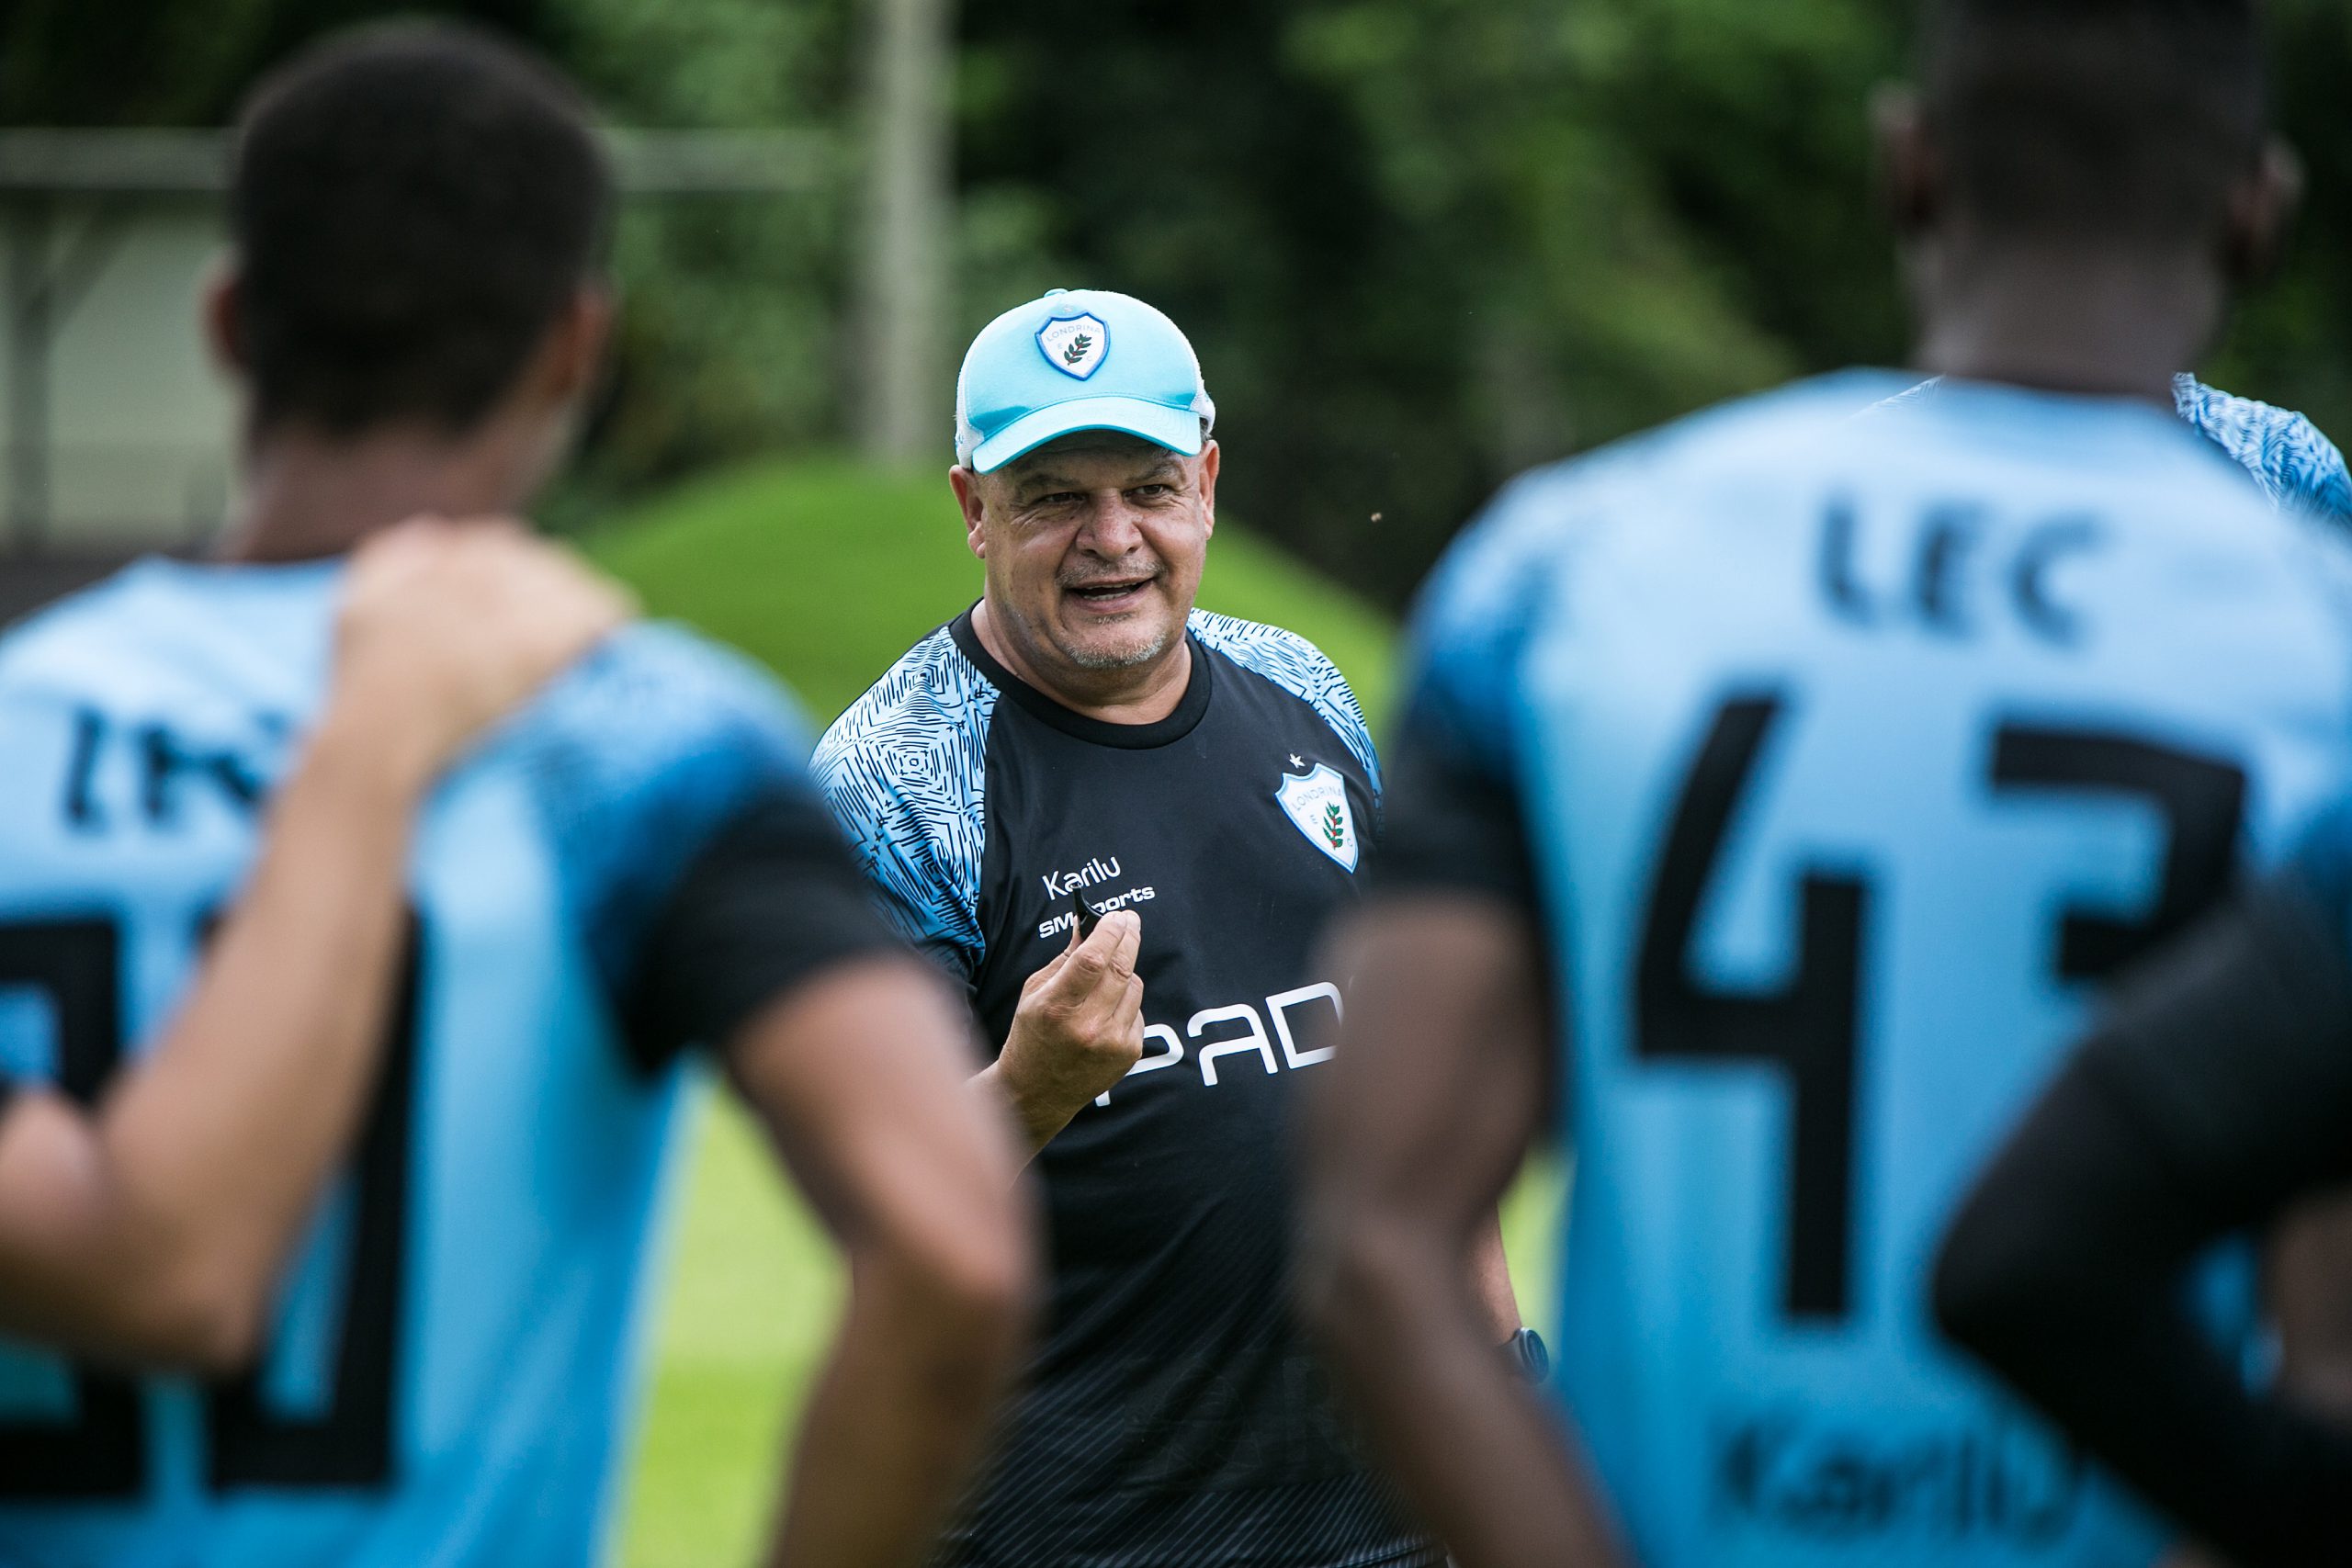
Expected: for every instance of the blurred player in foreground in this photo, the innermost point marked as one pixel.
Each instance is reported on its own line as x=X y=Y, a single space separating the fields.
x=2215 y=1094
x=152 y=1228
x=634 y=865
x=1799 y=775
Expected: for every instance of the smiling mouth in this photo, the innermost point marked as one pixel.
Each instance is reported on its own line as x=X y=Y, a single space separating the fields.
x=1108 y=592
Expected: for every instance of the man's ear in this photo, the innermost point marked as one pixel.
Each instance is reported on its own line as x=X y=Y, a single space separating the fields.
x=2261 y=215
x=1910 y=169
x=573 y=350
x=966 y=486
x=223 y=311
x=1210 y=455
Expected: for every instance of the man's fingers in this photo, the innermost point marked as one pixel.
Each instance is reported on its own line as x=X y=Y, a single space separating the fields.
x=1080 y=976
x=1043 y=975
x=1115 y=1011
x=389 y=562
x=448 y=626
x=1106 y=957
x=556 y=604
x=1126 y=943
x=592 y=605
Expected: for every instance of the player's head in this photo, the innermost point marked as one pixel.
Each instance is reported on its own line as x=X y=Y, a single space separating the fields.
x=2133 y=128
x=417 y=216
x=1087 y=478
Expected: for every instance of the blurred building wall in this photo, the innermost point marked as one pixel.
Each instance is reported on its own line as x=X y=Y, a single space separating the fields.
x=141 y=426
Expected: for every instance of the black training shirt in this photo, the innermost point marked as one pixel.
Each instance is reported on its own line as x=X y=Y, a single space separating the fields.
x=1174 y=1412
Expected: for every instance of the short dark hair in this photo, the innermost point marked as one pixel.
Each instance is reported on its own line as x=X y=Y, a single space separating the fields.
x=413 y=206
x=2130 y=119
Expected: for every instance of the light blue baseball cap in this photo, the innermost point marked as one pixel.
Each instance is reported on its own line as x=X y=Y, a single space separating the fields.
x=1078 y=359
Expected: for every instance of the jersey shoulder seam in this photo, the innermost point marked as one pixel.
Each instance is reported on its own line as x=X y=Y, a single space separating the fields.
x=1295 y=665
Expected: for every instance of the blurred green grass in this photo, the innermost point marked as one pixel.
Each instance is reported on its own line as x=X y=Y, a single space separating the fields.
x=827 y=571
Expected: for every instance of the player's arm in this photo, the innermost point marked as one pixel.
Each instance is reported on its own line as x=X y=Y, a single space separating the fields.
x=855 y=1055
x=1440 y=1084
x=1417 y=1127
x=1489 y=1266
x=859 y=1078
x=2216 y=1092
x=152 y=1228
x=1490 y=1280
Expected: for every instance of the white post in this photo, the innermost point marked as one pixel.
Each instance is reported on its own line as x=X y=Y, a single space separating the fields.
x=31 y=343
x=906 y=391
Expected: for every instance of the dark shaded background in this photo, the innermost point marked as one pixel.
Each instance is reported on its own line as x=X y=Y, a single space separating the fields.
x=1420 y=243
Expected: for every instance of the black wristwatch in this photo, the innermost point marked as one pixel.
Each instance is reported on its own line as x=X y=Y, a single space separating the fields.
x=1528 y=1357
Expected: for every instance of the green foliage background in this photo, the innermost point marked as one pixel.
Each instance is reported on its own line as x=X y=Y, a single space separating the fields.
x=1421 y=243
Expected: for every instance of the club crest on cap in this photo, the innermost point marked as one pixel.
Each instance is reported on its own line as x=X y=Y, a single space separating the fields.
x=1074 y=344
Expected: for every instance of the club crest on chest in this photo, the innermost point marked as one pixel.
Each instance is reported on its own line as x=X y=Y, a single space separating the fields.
x=1317 y=804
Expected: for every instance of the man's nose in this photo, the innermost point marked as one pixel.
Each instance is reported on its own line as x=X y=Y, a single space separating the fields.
x=1113 y=526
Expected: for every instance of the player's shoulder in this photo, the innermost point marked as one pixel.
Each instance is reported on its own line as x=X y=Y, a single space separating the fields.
x=1548 y=509
x=656 y=719
x=1477 y=608
x=66 y=645
x=2295 y=465
x=656 y=690
x=77 y=623
x=176 y=637
x=1295 y=665
x=634 y=759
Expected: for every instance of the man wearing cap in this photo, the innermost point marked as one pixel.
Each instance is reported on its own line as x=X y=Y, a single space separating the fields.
x=1119 y=821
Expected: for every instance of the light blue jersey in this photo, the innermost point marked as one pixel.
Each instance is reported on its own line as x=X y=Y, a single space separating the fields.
x=1850 y=753
x=455 y=1351
x=2283 y=452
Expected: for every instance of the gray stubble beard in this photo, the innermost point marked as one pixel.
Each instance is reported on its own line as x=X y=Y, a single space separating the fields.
x=1126 y=659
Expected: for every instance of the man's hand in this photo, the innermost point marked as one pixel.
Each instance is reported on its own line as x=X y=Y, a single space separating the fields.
x=446 y=626
x=1077 y=1031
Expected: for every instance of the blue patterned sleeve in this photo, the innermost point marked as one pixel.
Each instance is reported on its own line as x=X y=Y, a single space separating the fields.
x=905 y=774
x=2295 y=465
x=637 y=759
